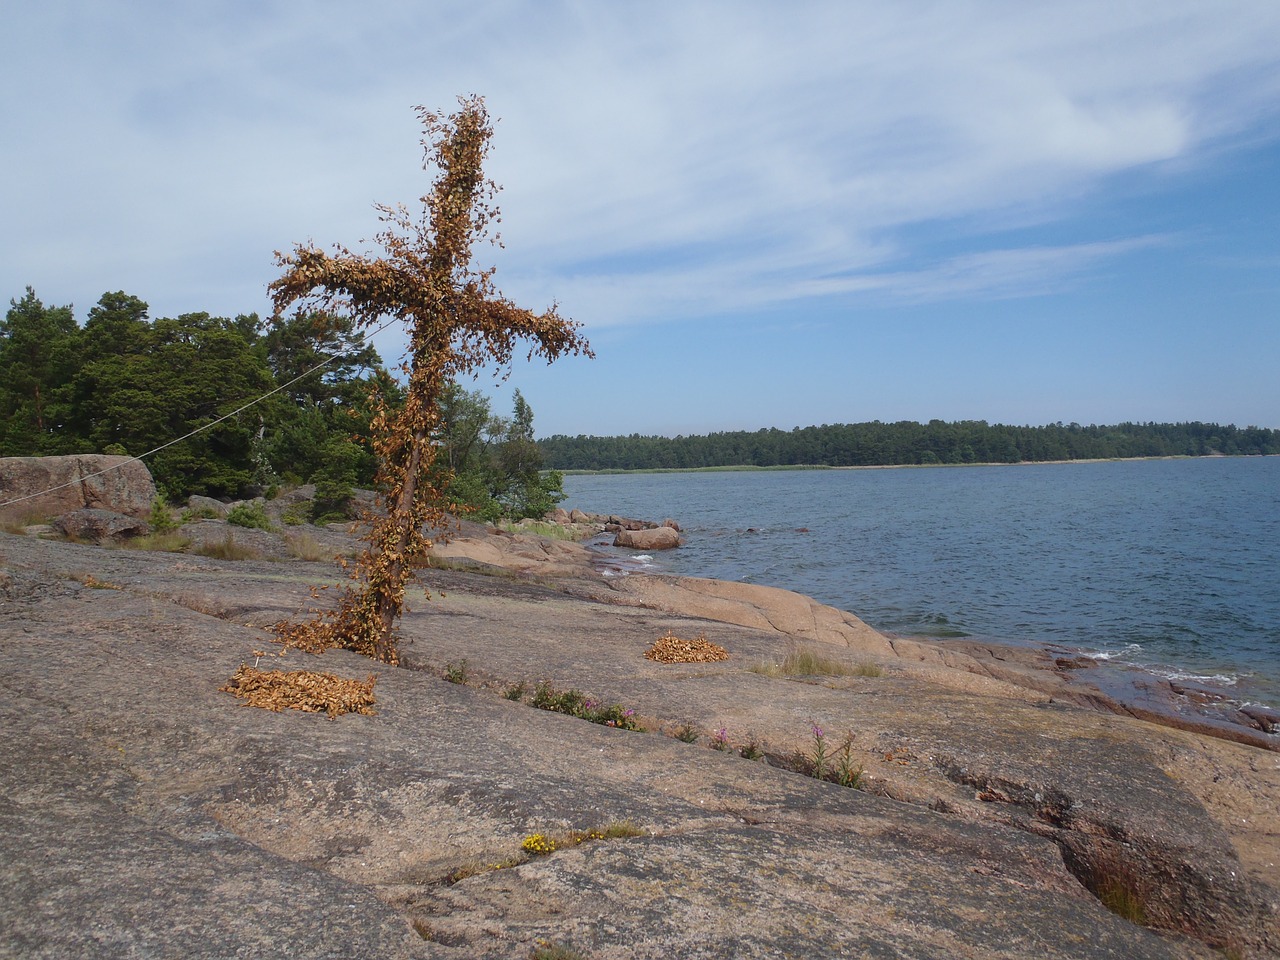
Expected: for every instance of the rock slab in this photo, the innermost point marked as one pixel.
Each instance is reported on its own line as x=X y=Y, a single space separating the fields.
x=51 y=486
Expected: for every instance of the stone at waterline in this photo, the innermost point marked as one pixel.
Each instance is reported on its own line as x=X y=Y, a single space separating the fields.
x=659 y=538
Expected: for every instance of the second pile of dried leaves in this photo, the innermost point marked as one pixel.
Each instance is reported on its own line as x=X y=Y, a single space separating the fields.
x=302 y=690
x=669 y=648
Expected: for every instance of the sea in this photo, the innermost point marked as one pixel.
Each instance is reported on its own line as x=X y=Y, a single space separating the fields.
x=1171 y=566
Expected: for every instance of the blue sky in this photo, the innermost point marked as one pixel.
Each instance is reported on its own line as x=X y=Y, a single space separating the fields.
x=762 y=214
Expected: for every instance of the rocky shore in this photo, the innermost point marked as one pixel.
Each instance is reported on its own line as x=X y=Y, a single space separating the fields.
x=1003 y=807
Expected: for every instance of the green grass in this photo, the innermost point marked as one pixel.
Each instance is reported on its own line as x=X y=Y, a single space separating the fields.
x=539 y=528
x=808 y=663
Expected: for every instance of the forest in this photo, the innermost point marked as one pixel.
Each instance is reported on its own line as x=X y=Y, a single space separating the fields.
x=124 y=383
x=904 y=443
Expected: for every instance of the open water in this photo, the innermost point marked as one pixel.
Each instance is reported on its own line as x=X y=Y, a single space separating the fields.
x=1170 y=565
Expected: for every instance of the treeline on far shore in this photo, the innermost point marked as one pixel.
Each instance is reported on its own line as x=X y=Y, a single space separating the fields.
x=906 y=443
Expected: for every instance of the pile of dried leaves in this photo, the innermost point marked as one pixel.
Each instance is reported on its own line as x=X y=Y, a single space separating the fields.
x=669 y=648
x=302 y=690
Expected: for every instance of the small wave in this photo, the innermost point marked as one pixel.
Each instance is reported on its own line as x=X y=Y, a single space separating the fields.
x=1128 y=650
x=1220 y=679
x=643 y=558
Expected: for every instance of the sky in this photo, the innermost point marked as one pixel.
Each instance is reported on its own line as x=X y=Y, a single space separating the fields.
x=762 y=214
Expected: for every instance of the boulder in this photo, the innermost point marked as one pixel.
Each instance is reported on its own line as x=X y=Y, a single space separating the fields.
x=659 y=538
x=98 y=525
x=577 y=516
x=672 y=524
x=51 y=486
x=208 y=507
x=559 y=515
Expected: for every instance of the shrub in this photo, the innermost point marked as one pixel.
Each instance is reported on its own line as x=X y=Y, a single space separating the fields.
x=250 y=514
x=297 y=514
x=161 y=518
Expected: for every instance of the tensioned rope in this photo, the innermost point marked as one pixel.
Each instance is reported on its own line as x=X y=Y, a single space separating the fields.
x=198 y=430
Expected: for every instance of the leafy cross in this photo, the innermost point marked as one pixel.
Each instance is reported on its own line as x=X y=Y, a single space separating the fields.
x=457 y=322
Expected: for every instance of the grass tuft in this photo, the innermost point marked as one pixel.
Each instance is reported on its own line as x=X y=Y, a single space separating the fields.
x=809 y=663
x=687 y=733
x=306 y=547
x=1119 y=893
x=18 y=525
x=228 y=549
x=93 y=583
x=555 y=951
x=1111 y=875
x=456 y=672
x=171 y=542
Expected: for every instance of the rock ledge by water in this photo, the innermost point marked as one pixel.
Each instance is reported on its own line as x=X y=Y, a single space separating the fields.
x=148 y=814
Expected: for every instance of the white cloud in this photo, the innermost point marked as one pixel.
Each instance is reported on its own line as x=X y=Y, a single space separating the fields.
x=659 y=159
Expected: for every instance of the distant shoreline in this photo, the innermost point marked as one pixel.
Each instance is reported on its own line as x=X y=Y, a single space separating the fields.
x=750 y=468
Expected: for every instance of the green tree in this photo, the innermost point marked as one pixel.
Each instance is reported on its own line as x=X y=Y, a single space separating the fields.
x=38 y=352
x=526 y=491
x=327 y=406
x=169 y=378
x=456 y=321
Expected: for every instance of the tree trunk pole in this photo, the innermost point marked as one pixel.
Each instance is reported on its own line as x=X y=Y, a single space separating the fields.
x=388 y=597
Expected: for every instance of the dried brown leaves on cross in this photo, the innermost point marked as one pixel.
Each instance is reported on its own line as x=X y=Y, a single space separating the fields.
x=456 y=321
